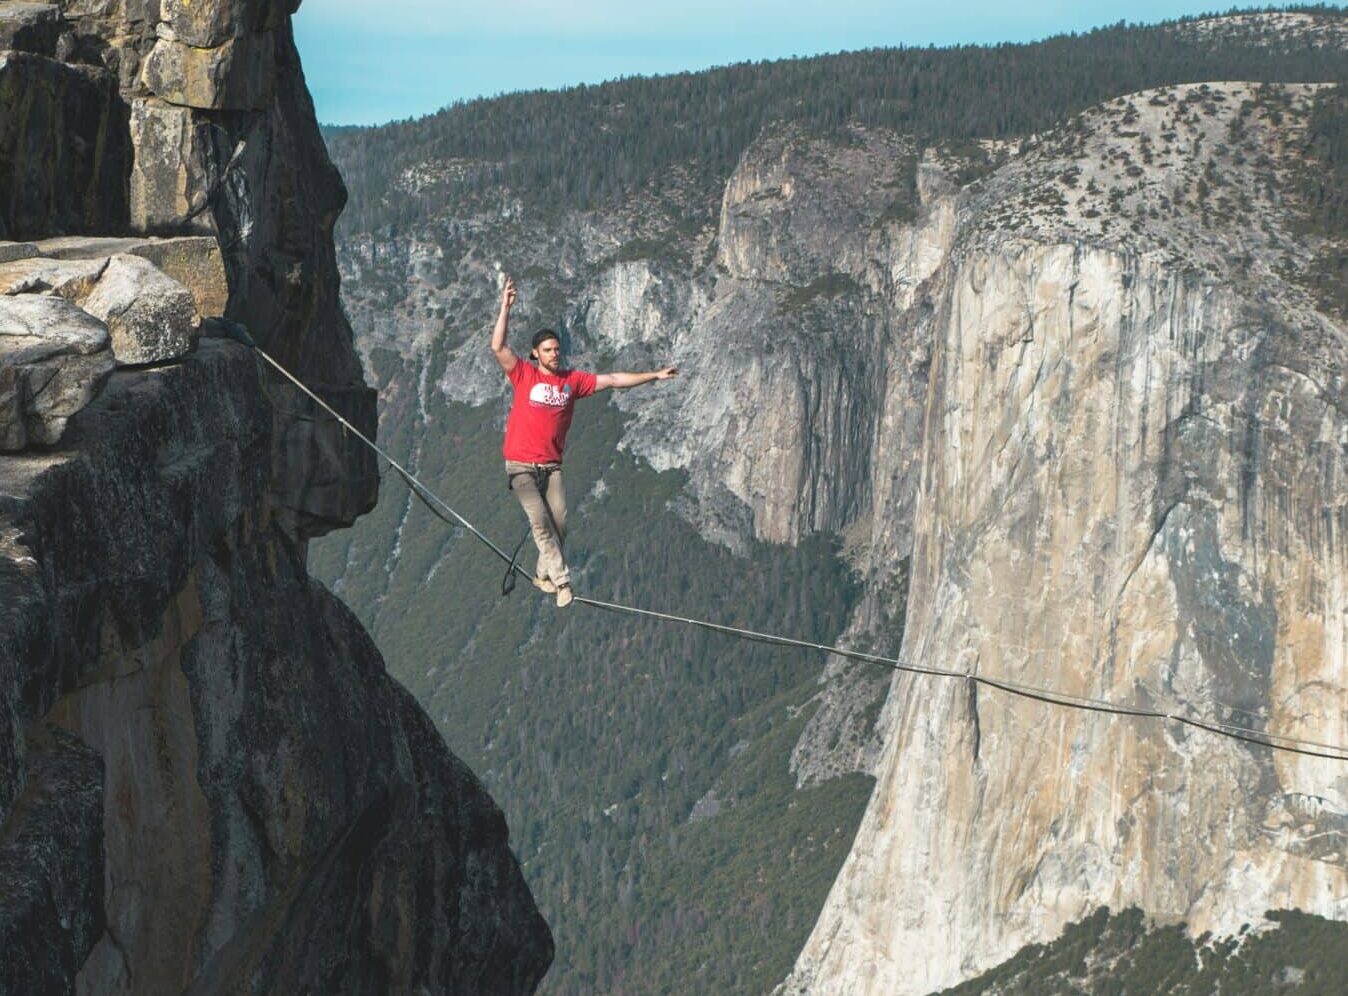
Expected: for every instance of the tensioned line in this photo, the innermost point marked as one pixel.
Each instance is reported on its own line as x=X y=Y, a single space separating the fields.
x=444 y=512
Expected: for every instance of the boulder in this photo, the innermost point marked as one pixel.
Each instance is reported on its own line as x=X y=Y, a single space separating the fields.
x=116 y=34
x=86 y=246
x=150 y=316
x=72 y=279
x=54 y=359
x=58 y=388
x=194 y=261
x=10 y=251
x=37 y=327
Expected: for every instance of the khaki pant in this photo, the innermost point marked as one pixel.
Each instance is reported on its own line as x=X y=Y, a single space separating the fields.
x=549 y=531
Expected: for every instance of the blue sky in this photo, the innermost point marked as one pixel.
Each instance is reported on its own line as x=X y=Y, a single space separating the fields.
x=374 y=62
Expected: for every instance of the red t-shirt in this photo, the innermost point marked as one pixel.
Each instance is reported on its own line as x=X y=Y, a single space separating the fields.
x=540 y=413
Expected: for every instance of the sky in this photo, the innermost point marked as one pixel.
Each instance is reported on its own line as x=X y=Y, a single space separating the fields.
x=370 y=62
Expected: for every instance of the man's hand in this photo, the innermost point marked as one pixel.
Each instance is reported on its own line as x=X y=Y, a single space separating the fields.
x=666 y=373
x=504 y=355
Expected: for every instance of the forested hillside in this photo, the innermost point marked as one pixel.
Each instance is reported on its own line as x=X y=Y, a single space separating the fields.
x=658 y=781
x=581 y=147
x=1116 y=954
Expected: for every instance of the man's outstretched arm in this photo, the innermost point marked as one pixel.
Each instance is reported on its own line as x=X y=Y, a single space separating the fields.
x=503 y=353
x=605 y=381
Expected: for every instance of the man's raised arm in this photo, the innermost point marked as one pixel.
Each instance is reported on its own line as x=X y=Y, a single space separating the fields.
x=605 y=381
x=503 y=353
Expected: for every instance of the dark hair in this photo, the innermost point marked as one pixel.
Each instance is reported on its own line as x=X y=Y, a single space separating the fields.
x=542 y=336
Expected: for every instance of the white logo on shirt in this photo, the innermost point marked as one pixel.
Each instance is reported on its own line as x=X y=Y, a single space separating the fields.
x=548 y=396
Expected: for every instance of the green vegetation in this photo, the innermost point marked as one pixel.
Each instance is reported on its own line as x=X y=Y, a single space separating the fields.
x=580 y=147
x=1322 y=188
x=671 y=249
x=1106 y=955
x=830 y=285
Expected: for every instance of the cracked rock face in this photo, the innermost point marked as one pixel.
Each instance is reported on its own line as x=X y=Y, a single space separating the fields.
x=71 y=280
x=54 y=359
x=193 y=119
x=1133 y=472
x=311 y=831
x=208 y=783
x=49 y=184
x=150 y=316
x=52 y=911
x=29 y=27
x=239 y=74
x=171 y=182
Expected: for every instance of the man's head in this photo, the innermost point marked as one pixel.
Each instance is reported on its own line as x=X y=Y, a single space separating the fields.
x=546 y=348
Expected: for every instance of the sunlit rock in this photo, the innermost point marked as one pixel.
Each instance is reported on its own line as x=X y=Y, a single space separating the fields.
x=54 y=359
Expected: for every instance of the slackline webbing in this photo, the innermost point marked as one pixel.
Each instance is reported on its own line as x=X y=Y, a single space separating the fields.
x=441 y=510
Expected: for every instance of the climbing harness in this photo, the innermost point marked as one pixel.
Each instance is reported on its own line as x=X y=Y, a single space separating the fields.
x=442 y=511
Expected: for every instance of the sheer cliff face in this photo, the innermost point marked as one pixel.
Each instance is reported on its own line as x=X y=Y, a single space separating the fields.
x=258 y=807
x=1132 y=488
x=1092 y=400
x=208 y=783
x=788 y=357
x=1079 y=423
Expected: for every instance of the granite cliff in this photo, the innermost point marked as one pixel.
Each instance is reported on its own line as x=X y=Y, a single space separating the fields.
x=1071 y=406
x=208 y=782
x=1131 y=468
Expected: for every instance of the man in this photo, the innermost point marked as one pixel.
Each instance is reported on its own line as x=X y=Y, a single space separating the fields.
x=540 y=414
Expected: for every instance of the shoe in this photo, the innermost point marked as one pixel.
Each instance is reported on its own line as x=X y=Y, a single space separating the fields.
x=564 y=595
x=545 y=585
